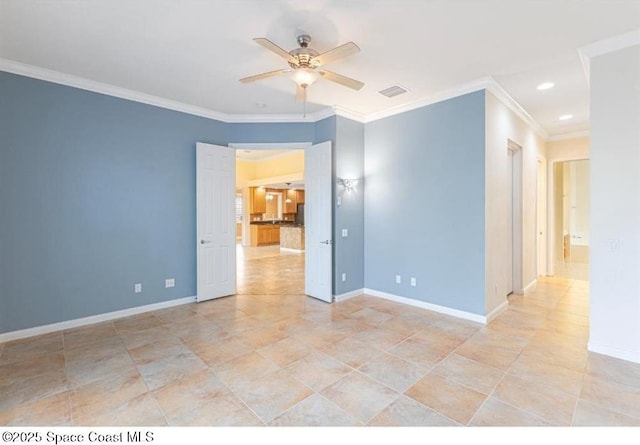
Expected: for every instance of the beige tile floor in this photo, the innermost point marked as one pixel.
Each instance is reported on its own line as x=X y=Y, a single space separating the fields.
x=271 y=356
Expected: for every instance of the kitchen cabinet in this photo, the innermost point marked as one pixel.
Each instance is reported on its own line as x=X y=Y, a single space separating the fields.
x=290 y=207
x=257 y=200
x=300 y=196
x=264 y=234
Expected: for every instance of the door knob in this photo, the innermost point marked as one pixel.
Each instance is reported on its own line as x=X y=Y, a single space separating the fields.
x=326 y=242
x=205 y=241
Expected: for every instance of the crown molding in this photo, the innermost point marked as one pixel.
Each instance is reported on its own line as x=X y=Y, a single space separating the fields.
x=274 y=118
x=467 y=88
x=606 y=46
x=349 y=114
x=504 y=97
x=487 y=83
x=22 y=69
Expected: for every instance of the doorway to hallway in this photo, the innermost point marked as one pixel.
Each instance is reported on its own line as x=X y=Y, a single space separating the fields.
x=571 y=219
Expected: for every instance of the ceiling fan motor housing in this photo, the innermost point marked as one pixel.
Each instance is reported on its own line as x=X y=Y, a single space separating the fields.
x=304 y=55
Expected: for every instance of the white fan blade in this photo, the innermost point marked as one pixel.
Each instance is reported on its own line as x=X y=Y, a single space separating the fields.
x=268 y=44
x=336 y=53
x=301 y=94
x=342 y=80
x=264 y=76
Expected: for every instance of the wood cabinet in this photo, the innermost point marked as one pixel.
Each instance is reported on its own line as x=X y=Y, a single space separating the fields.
x=300 y=196
x=290 y=207
x=257 y=200
x=264 y=234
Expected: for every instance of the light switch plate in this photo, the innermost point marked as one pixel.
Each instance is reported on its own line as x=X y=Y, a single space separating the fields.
x=137 y=288
x=345 y=233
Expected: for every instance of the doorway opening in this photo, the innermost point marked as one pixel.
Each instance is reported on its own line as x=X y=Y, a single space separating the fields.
x=270 y=248
x=571 y=219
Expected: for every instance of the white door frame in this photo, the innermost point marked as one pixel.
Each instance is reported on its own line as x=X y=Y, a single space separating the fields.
x=541 y=218
x=517 y=185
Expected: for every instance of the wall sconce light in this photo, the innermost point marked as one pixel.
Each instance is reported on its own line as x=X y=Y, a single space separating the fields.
x=269 y=197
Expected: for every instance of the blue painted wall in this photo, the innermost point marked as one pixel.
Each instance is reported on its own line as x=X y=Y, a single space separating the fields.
x=348 y=164
x=256 y=133
x=424 y=203
x=98 y=193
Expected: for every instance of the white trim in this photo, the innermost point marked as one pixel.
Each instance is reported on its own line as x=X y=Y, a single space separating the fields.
x=347 y=295
x=271 y=146
x=79 y=322
x=429 y=306
x=498 y=310
x=504 y=97
x=104 y=88
x=349 y=114
x=623 y=354
x=606 y=46
x=273 y=118
x=572 y=135
x=288 y=146
x=98 y=87
x=467 y=88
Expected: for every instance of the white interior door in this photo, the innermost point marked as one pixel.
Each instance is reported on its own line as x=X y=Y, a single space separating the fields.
x=216 y=227
x=317 y=217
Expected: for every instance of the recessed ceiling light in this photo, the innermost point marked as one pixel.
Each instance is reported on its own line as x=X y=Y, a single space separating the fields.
x=565 y=117
x=261 y=105
x=546 y=86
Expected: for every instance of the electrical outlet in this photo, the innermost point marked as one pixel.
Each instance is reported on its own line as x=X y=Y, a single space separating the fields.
x=137 y=288
x=345 y=233
x=413 y=281
x=170 y=282
x=344 y=276
x=398 y=279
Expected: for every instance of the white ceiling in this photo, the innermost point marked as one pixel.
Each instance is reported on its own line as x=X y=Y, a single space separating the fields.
x=194 y=52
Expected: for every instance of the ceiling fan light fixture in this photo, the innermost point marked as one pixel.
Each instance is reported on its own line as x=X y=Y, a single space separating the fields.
x=305 y=77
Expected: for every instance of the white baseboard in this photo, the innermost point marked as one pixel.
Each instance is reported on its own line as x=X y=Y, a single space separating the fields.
x=79 y=322
x=347 y=295
x=630 y=356
x=424 y=305
x=498 y=310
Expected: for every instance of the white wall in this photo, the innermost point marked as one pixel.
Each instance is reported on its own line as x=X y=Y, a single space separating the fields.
x=615 y=204
x=579 y=203
x=502 y=125
x=568 y=149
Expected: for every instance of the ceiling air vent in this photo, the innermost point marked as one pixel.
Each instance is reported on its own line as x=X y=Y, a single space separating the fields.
x=393 y=91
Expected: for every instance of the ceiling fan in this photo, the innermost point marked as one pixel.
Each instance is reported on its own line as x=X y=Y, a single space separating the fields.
x=306 y=64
